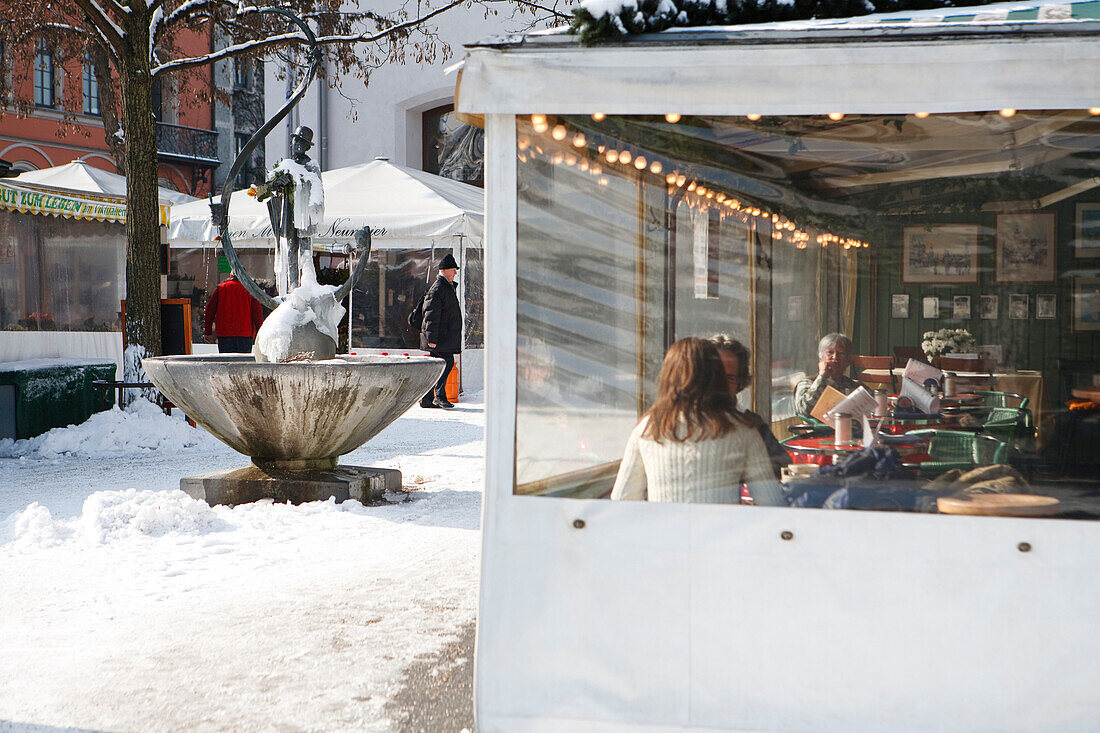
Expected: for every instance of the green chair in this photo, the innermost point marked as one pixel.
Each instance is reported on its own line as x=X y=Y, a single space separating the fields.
x=948 y=449
x=1006 y=423
x=1003 y=399
x=1008 y=399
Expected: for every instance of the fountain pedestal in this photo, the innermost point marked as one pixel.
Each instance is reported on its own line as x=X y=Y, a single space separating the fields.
x=293 y=420
x=252 y=483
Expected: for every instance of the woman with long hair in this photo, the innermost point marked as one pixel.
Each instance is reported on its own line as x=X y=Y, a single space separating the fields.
x=693 y=445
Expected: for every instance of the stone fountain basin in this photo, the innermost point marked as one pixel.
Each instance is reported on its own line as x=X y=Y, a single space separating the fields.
x=295 y=415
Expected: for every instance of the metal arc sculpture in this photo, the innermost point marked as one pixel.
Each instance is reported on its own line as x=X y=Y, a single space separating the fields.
x=220 y=210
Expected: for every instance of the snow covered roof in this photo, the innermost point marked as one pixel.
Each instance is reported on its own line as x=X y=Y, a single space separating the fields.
x=1024 y=55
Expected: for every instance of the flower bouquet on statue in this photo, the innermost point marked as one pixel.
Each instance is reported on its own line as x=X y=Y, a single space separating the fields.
x=947 y=341
x=278 y=183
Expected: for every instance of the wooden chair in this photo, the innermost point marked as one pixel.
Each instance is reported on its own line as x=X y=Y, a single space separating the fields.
x=902 y=355
x=863 y=363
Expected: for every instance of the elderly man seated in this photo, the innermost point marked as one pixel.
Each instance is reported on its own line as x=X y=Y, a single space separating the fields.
x=834 y=358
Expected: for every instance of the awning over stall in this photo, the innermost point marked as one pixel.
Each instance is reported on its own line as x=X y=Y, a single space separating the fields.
x=882 y=64
x=405 y=208
x=76 y=191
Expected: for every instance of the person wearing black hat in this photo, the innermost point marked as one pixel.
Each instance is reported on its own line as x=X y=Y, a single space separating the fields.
x=441 y=332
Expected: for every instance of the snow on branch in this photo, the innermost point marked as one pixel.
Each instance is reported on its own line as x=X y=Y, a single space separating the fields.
x=101 y=20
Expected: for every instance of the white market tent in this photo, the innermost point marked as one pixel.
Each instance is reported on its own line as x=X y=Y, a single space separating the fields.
x=405 y=208
x=79 y=176
x=629 y=616
x=80 y=193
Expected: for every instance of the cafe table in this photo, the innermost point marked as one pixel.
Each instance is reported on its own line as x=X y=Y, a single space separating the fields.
x=1092 y=394
x=824 y=451
x=1025 y=383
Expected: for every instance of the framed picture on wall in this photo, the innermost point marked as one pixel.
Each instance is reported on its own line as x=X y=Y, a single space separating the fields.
x=947 y=253
x=1025 y=248
x=1086 y=304
x=1045 y=306
x=1018 y=307
x=987 y=307
x=899 y=305
x=930 y=306
x=961 y=307
x=794 y=308
x=1086 y=243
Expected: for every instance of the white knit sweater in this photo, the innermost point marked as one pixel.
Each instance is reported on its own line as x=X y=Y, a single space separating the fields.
x=697 y=471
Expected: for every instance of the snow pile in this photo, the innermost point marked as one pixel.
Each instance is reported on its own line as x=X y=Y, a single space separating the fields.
x=112 y=515
x=140 y=428
x=127 y=513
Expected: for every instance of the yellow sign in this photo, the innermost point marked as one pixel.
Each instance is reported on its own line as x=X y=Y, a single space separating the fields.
x=69 y=204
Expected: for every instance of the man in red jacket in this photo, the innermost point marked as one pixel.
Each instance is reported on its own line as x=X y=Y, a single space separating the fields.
x=234 y=315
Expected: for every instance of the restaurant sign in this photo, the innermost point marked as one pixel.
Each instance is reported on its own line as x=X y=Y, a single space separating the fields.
x=68 y=204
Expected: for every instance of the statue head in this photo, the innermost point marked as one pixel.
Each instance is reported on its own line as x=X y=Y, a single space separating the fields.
x=300 y=141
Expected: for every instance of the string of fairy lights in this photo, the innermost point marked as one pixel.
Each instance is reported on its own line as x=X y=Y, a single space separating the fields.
x=578 y=152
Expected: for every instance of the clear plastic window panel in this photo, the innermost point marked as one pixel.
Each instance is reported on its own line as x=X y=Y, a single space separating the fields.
x=60 y=274
x=961 y=250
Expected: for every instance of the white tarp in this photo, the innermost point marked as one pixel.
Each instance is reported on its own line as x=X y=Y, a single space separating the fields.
x=623 y=616
x=405 y=209
x=79 y=176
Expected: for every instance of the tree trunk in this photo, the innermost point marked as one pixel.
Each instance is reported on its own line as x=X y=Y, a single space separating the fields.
x=143 y=324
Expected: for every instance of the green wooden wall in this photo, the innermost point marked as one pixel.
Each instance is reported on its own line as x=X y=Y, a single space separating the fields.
x=1030 y=344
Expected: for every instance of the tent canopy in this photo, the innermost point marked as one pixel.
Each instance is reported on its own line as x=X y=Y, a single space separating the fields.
x=79 y=176
x=405 y=209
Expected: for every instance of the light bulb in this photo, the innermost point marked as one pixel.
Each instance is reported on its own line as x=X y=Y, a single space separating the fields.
x=835 y=116
x=579 y=141
x=639 y=163
x=603 y=181
x=672 y=117
x=558 y=132
x=753 y=116
x=681 y=180
x=625 y=156
x=599 y=117
x=538 y=119
x=612 y=156
x=1094 y=110
x=920 y=115
x=670 y=179
x=1007 y=112
x=655 y=167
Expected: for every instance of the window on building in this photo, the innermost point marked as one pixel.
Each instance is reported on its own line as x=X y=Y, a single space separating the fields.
x=43 y=76
x=246 y=176
x=451 y=148
x=158 y=101
x=90 y=88
x=242 y=73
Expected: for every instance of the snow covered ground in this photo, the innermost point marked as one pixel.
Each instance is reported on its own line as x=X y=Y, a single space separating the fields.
x=127 y=606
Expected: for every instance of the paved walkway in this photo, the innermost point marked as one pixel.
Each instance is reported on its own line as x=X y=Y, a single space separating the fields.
x=437 y=692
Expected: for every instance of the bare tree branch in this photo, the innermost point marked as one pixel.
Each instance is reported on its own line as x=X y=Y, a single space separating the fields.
x=239 y=49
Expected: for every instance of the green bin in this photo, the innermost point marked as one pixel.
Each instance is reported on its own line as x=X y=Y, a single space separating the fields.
x=39 y=394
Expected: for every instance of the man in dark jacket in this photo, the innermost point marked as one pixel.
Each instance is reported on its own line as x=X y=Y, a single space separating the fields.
x=441 y=332
x=234 y=315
